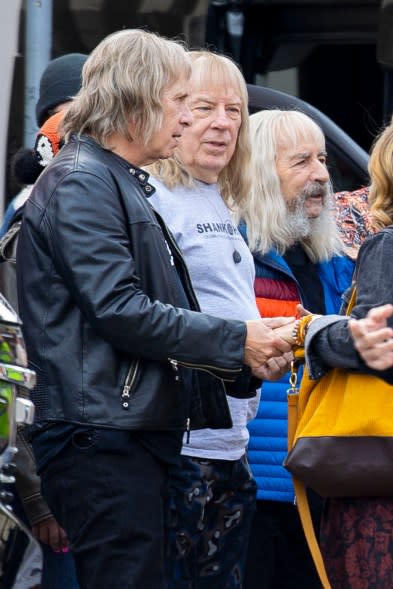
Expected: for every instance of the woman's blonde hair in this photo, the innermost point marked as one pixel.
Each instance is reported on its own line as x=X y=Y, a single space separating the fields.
x=122 y=83
x=266 y=209
x=212 y=70
x=380 y=168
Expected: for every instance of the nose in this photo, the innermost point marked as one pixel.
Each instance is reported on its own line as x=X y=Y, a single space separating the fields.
x=320 y=172
x=186 y=117
x=221 y=118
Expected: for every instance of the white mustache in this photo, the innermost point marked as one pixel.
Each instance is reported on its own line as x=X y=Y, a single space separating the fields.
x=315 y=189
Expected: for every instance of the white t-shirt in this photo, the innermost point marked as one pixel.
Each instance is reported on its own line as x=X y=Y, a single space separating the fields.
x=222 y=273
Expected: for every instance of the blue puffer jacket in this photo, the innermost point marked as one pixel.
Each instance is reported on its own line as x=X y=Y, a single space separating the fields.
x=268 y=431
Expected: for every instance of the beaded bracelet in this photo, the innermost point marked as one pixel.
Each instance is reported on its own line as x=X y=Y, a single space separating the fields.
x=300 y=328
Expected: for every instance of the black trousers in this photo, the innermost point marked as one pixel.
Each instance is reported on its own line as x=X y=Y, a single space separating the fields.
x=278 y=555
x=108 y=493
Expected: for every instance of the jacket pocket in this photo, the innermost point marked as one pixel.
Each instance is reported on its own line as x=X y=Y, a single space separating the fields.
x=129 y=383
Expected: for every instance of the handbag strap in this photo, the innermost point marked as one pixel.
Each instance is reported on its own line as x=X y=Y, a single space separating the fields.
x=300 y=490
x=308 y=527
x=352 y=300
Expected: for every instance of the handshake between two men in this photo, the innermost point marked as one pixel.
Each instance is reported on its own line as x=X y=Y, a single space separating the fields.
x=268 y=346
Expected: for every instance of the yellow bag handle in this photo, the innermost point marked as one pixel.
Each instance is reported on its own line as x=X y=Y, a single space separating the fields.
x=352 y=301
x=308 y=527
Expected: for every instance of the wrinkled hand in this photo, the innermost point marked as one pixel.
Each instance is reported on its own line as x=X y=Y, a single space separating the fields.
x=262 y=342
x=49 y=532
x=285 y=331
x=373 y=339
x=275 y=367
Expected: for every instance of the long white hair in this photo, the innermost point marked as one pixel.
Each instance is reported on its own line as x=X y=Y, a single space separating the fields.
x=266 y=213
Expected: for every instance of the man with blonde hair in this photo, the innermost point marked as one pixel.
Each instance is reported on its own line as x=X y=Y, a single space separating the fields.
x=291 y=231
x=112 y=325
x=212 y=492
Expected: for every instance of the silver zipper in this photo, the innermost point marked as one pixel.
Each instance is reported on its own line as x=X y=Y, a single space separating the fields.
x=129 y=383
x=204 y=367
x=175 y=368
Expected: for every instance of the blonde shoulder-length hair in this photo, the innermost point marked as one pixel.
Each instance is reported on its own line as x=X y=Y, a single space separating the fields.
x=212 y=70
x=122 y=83
x=380 y=168
x=265 y=212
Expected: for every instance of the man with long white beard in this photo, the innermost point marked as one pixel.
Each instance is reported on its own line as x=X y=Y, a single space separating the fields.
x=291 y=231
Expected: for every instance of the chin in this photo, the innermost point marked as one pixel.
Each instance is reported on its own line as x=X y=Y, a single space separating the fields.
x=314 y=212
x=166 y=154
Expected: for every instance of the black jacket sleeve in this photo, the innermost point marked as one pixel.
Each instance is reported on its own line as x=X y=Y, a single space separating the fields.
x=329 y=342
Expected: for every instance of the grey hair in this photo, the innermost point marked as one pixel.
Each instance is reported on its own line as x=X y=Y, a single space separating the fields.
x=122 y=83
x=266 y=212
x=214 y=70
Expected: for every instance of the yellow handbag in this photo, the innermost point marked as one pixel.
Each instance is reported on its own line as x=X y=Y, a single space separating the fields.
x=343 y=434
x=340 y=441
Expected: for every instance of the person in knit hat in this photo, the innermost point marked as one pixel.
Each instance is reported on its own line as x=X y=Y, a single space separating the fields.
x=58 y=568
x=60 y=81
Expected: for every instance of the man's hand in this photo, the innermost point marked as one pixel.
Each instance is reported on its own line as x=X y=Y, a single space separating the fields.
x=275 y=367
x=373 y=339
x=49 y=532
x=263 y=342
x=285 y=332
x=276 y=322
x=302 y=311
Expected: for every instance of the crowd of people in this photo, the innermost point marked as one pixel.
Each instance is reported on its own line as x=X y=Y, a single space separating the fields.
x=166 y=245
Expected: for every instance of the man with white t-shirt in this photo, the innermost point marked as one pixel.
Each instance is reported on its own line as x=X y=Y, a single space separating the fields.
x=212 y=494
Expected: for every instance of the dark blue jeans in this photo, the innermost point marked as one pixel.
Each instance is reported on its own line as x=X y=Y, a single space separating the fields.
x=211 y=505
x=106 y=490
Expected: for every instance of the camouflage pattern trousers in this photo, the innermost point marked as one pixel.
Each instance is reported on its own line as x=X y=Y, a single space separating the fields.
x=210 y=509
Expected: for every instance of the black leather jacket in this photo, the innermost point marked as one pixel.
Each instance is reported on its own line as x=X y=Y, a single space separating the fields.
x=98 y=295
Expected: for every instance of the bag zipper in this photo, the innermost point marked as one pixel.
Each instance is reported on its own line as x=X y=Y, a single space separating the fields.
x=129 y=383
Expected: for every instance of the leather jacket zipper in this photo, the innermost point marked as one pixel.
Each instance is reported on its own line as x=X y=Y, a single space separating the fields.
x=175 y=369
x=129 y=383
x=213 y=370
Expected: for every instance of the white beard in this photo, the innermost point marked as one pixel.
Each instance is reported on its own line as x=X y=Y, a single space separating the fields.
x=298 y=223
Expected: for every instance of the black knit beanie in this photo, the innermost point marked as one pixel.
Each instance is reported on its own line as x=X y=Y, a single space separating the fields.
x=60 y=81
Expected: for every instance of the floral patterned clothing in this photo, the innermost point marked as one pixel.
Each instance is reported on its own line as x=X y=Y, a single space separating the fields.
x=353 y=219
x=357 y=542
